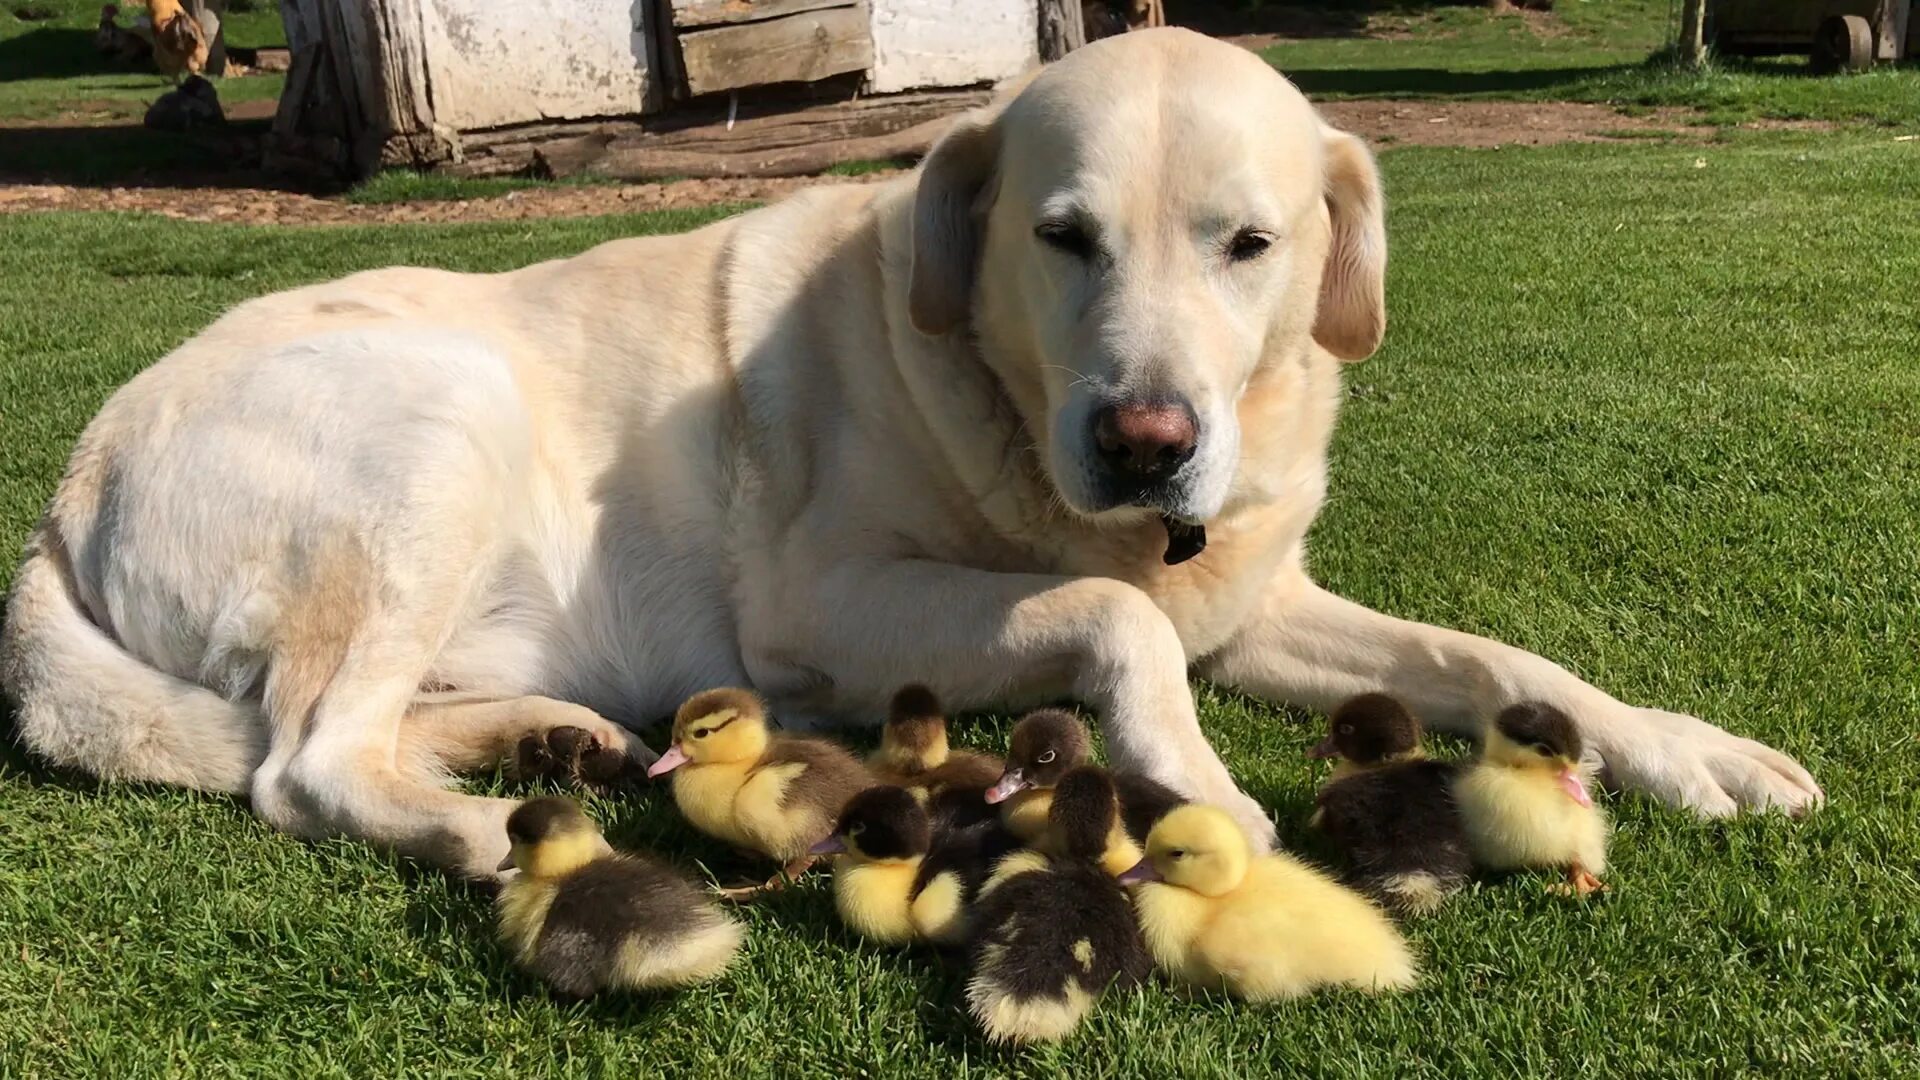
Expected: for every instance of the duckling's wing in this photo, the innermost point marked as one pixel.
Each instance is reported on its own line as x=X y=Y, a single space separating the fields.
x=966 y=770
x=1143 y=802
x=606 y=906
x=829 y=776
x=956 y=809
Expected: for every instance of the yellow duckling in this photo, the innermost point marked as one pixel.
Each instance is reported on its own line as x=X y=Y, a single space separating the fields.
x=585 y=918
x=1524 y=801
x=774 y=794
x=914 y=752
x=901 y=878
x=1053 y=934
x=1260 y=927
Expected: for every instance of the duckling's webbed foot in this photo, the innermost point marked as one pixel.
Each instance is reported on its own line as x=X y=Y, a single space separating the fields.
x=1580 y=883
x=747 y=894
x=571 y=754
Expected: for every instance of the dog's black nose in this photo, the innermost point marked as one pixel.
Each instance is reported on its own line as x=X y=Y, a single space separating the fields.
x=1146 y=440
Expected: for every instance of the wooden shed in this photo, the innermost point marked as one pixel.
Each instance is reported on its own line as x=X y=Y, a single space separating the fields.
x=482 y=86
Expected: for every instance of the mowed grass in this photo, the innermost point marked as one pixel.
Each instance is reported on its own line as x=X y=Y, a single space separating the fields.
x=1652 y=418
x=1601 y=51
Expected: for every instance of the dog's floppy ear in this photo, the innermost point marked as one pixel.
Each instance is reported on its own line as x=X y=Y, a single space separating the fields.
x=947 y=222
x=1352 y=316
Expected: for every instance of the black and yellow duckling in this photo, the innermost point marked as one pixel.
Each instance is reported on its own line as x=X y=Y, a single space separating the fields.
x=1524 y=800
x=586 y=918
x=1047 y=743
x=914 y=752
x=1051 y=935
x=899 y=877
x=1261 y=927
x=1392 y=814
x=777 y=795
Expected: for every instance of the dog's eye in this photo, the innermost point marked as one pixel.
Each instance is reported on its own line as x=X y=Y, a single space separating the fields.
x=1248 y=244
x=1046 y=758
x=1065 y=237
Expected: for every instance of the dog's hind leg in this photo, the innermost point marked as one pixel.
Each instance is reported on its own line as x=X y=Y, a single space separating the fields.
x=536 y=734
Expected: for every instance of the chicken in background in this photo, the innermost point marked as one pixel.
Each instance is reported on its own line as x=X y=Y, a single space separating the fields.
x=118 y=43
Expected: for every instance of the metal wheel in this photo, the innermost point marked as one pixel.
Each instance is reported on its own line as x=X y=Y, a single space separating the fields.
x=1843 y=43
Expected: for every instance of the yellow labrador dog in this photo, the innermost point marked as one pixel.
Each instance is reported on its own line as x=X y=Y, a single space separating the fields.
x=1046 y=419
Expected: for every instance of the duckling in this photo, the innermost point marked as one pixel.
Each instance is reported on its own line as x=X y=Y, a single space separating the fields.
x=1392 y=813
x=1524 y=801
x=897 y=879
x=1261 y=927
x=1054 y=934
x=773 y=794
x=1044 y=745
x=585 y=918
x=914 y=752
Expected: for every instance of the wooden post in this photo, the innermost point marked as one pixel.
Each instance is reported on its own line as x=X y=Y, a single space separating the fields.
x=357 y=95
x=1693 y=33
x=1063 y=28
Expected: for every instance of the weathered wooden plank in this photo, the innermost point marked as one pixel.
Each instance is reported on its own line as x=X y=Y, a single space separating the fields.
x=721 y=12
x=798 y=48
x=640 y=163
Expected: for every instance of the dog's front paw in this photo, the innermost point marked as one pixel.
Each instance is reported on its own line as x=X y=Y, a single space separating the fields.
x=1688 y=762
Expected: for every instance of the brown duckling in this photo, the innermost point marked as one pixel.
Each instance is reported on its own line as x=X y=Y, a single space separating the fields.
x=1047 y=743
x=914 y=752
x=586 y=918
x=1390 y=810
x=1053 y=934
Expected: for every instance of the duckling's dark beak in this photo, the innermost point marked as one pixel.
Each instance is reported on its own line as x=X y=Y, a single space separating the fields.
x=1324 y=749
x=1139 y=872
x=1575 y=785
x=1011 y=783
x=832 y=845
x=669 y=761
x=506 y=864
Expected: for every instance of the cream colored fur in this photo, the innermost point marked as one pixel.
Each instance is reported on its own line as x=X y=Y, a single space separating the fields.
x=357 y=535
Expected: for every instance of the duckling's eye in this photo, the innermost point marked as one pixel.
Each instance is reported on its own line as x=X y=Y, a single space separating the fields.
x=1543 y=749
x=1346 y=729
x=1046 y=758
x=1177 y=853
x=703 y=733
x=856 y=828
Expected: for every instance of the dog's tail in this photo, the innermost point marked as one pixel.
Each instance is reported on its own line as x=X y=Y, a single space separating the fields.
x=80 y=700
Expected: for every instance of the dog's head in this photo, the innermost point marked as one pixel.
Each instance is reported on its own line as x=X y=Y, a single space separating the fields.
x=1138 y=234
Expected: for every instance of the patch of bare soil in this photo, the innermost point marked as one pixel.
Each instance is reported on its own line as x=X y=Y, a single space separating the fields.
x=1385 y=123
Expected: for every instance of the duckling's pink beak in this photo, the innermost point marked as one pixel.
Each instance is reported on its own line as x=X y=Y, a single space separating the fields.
x=669 y=761
x=1139 y=872
x=1324 y=749
x=1011 y=783
x=832 y=845
x=1576 y=788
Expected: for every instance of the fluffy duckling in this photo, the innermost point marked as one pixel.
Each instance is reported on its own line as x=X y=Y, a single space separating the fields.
x=1053 y=934
x=1046 y=744
x=1524 y=801
x=899 y=879
x=774 y=794
x=914 y=752
x=1391 y=813
x=1258 y=926
x=585 y=918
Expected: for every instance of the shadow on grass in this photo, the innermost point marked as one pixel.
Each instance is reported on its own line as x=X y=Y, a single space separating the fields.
x=49 y=53
x=1425 y=82
x=127 y=155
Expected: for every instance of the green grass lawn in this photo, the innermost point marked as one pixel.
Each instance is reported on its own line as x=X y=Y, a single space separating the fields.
x=1647 y=409
x=48 y=66
x=1586 y=50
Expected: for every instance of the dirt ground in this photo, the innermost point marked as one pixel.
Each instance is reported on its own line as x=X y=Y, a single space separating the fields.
x=1386 y=123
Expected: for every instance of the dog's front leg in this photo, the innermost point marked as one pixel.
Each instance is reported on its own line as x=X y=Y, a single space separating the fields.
x=985 y=640
x=1308 y=647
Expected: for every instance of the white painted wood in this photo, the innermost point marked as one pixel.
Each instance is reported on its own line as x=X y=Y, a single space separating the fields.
x=927 y=43
x=491 y=63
